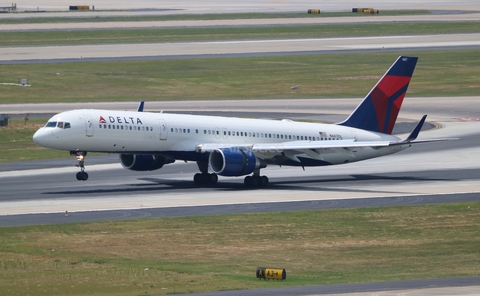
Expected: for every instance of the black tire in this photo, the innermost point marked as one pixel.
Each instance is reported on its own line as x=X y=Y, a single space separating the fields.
x=264 y=181
x=197 y=178
x=213 y=178
x=248 y=181
x=84 y=176
x=79 y=176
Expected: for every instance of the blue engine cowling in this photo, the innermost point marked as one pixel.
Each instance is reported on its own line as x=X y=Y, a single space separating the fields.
x=139 y=162
x=233 y=162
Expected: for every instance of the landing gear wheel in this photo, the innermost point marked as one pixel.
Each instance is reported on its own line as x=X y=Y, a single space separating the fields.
x=213 y=178
x=82 y=176
x=264 y=181
x=197 y=178
x=256 y=181
x=248 y=181
x=205 y=179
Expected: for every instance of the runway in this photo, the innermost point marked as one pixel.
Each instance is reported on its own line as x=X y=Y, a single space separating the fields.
x=245 y=47
x=415 y=173
x=457 y=16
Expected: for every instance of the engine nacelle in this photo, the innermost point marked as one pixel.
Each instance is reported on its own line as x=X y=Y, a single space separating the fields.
x=234 y=162
x=139 y=162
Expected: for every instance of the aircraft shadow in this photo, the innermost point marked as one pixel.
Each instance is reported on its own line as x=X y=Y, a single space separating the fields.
x=299 y=184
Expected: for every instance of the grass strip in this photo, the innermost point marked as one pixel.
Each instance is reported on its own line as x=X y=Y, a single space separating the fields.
x=114 y=36
x=16 y=142
x=214 y=253
x=88 y=17
x=438 y=73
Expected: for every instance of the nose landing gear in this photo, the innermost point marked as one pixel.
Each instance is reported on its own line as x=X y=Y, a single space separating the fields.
x=82 y=175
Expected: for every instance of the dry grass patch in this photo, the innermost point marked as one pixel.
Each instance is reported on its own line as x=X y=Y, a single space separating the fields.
x=209 y=253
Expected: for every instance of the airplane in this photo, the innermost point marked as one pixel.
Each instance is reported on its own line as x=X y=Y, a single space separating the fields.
x=229 y=146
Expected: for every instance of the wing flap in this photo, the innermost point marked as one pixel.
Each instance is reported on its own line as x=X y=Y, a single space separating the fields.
x=294 y=148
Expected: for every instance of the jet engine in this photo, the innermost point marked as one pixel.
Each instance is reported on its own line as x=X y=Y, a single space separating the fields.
x=234 y=162
x=140 y=162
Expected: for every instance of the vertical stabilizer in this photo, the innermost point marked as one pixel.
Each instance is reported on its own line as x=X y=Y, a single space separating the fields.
x=379 y=110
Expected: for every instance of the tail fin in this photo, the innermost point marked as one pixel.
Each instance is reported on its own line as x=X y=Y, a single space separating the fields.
x=379 y=110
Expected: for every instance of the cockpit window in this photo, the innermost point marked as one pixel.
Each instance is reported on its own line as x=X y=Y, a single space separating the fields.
x=59 y=124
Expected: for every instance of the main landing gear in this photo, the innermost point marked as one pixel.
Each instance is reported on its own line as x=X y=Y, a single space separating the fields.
x=256 y=180
x=82 y=175
x=204 y=178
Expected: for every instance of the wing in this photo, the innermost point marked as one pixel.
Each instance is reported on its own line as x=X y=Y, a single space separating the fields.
x=314 y=149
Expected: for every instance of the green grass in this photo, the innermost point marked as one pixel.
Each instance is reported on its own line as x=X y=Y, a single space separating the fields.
x=16 y=142
x=83 y=17
x=213 y=253
x=438 y=73
x=77 y=37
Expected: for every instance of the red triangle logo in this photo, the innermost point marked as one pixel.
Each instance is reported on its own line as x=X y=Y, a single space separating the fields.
x=102 y=120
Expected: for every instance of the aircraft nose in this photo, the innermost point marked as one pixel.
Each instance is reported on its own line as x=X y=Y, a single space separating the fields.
x=41 y=137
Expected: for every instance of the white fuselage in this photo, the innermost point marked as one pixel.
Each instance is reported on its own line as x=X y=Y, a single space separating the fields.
x=179 y=136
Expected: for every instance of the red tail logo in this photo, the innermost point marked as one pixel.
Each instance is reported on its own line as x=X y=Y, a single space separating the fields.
x=102 y=120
